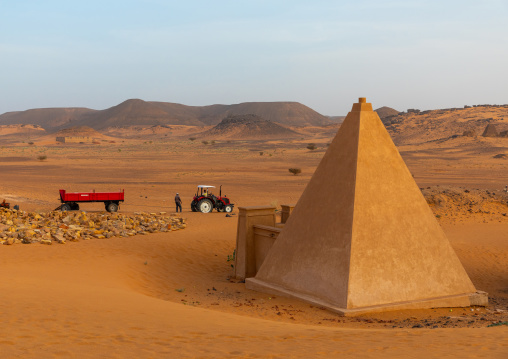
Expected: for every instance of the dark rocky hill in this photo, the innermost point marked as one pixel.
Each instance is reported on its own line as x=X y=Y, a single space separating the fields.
x=385 y=111
x=248 y=127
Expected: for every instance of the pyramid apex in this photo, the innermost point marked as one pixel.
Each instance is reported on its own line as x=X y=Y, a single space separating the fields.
x=362 y=105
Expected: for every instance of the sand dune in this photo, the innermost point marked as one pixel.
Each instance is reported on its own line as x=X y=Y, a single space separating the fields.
x=117 y=297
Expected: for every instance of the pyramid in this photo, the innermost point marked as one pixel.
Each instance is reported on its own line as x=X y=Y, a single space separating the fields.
x=490 y=131
x=362 y=237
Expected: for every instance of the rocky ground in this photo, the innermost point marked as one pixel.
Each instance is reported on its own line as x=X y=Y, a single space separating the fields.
x=59 y=227
x=457 y=203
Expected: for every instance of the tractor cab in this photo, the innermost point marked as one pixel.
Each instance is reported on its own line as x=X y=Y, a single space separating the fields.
x=204 y=191
x=205 y=201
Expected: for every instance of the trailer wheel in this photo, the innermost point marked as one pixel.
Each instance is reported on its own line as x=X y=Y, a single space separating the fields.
x=65 y=207
x=228 y=209
x=75 y=206
x=111 y=207
x=205 y=206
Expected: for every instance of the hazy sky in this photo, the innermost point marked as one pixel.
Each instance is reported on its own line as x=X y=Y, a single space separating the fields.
x=324 y=54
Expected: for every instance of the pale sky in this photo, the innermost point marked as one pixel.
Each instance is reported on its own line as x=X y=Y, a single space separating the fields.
x=324 y=54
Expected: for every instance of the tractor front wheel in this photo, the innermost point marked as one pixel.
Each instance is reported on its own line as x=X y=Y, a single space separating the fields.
x=193 y=206
x=228 y=209
x=205 y=206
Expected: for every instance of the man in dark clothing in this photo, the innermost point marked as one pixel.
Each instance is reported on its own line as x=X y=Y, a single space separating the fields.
x=178 y=202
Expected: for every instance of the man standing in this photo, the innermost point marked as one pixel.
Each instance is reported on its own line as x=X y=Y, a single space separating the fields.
x=178 y=202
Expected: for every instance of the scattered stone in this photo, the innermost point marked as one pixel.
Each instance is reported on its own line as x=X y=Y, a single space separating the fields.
x=60 y=227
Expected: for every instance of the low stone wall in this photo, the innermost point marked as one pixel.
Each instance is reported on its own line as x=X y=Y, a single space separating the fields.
x=286 y=210
x=256 y=234
x=245 y=259
x=264 y=238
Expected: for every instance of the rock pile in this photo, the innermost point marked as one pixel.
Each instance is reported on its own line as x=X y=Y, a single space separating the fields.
x=59 y=227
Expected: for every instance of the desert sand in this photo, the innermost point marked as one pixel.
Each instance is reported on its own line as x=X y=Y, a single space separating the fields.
x=173 y=295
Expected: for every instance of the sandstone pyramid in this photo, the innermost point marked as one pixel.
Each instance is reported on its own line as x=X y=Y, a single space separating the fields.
x=362 y=237
x=490 y=131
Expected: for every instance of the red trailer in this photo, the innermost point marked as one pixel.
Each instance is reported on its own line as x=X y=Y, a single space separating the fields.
x=111 y=199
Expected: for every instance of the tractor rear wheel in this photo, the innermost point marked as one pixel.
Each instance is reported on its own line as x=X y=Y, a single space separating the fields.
x=111 y=207
x=66 y=207
x=228 y=209
x=205 y=206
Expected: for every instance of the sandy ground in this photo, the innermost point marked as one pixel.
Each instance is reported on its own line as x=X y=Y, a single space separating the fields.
x=171 y=294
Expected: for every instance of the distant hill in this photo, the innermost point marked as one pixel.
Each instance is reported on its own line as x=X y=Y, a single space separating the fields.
x=137 y=112
x=285 y=113
x=445 y=124
x=386 y=111
x=47 y=118
x=337 y=119
x=248 y=127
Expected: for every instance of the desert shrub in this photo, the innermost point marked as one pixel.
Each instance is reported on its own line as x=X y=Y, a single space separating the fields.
x=192 y=138
x=30 y=143
x=42 y=157
x=204 y=142
x=311 y=146
x=261 y=153
x=295 y=171
x=213 y=142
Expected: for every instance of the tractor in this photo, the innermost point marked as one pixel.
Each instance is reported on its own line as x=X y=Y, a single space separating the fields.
x=204 y=201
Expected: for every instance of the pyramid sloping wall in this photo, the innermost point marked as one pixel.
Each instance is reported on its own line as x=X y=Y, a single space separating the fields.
x=490 y=131
x=362 y=234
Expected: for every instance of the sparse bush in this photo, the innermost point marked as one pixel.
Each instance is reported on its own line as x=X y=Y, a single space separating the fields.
x=204 y=142
x=192 y=138
x=261 y=153
x=213 y=142
x=295 y=171
x=42 y=157
x=311 y=146
x=30 y=143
